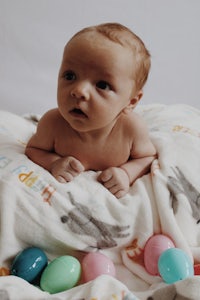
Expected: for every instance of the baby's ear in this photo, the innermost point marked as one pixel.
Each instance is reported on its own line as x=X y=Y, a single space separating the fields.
x=134 y=101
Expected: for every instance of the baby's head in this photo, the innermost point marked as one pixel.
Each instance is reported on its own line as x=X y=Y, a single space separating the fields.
x=106 y=64
x=124 y=36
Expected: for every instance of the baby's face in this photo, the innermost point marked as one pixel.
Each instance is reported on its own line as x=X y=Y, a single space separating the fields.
x=95 y=81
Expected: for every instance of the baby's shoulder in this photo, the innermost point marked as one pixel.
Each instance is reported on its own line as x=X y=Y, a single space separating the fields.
x=51 y=117
x=51 y=122
x=51 y=114
x=133 y=120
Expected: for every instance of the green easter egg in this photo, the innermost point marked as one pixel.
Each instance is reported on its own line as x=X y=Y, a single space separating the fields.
x=61 y=274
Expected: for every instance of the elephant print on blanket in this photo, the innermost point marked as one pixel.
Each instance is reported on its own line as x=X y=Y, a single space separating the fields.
x=80 y=221
x=181 y=185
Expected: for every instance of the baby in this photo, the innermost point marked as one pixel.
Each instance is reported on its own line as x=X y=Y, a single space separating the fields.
x=100 y=81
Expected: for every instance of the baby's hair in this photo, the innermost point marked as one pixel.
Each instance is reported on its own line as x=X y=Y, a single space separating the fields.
x=122 y=35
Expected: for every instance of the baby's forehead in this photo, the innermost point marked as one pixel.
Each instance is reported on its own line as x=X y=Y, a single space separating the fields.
x=131 y=45
x=98 y=39
x=95 y=42
x=91 y=37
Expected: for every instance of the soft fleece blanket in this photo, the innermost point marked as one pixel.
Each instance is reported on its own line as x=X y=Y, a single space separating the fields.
x=82 y=216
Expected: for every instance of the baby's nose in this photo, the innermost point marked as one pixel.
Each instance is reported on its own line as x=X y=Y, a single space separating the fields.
x=81 y=91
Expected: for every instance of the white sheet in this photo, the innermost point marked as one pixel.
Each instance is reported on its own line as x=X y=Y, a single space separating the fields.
x=83 y=216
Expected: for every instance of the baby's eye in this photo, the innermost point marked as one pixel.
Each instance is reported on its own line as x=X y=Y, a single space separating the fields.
x=69 y=75
x=103 y=85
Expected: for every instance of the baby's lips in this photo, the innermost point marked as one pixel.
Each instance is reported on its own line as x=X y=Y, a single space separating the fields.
x=78 y=112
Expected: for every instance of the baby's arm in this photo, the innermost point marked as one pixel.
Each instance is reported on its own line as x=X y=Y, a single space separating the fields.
x=40 y=149
x=118 y=179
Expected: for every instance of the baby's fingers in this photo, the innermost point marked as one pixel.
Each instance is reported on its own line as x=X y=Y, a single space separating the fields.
x=65 y=177
x=105 y=176
x=76 y=165
x=65 y=169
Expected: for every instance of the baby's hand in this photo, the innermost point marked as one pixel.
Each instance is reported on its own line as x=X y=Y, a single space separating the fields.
x=66 y=168
x=116 y=180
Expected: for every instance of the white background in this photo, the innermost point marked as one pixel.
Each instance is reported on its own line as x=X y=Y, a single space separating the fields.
x=34 y=32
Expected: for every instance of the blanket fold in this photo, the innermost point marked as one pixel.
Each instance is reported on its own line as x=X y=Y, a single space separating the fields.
x=82 y=216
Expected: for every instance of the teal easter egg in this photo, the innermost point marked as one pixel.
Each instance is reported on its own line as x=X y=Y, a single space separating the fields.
x=174 y=265
x=61 y=274
x=29 y=264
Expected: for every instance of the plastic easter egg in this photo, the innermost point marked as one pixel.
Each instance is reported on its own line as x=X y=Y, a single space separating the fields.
x=96 y=264
x=174 y=265
x=61 y=274
x=29 y=264
x=153 y=249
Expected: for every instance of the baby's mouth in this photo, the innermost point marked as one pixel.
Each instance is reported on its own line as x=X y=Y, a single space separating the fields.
x=77 y=112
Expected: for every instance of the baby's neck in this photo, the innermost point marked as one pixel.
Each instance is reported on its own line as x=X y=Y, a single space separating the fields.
x=97 y=134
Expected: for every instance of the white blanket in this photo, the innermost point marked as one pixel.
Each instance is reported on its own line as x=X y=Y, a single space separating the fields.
x=82 y=216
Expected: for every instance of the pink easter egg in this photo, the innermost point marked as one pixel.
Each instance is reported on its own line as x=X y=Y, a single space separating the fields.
x=154 y=247
x=96 y=264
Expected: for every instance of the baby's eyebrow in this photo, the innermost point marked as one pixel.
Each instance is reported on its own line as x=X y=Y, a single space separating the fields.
x=104 y=72
x=109 y=77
